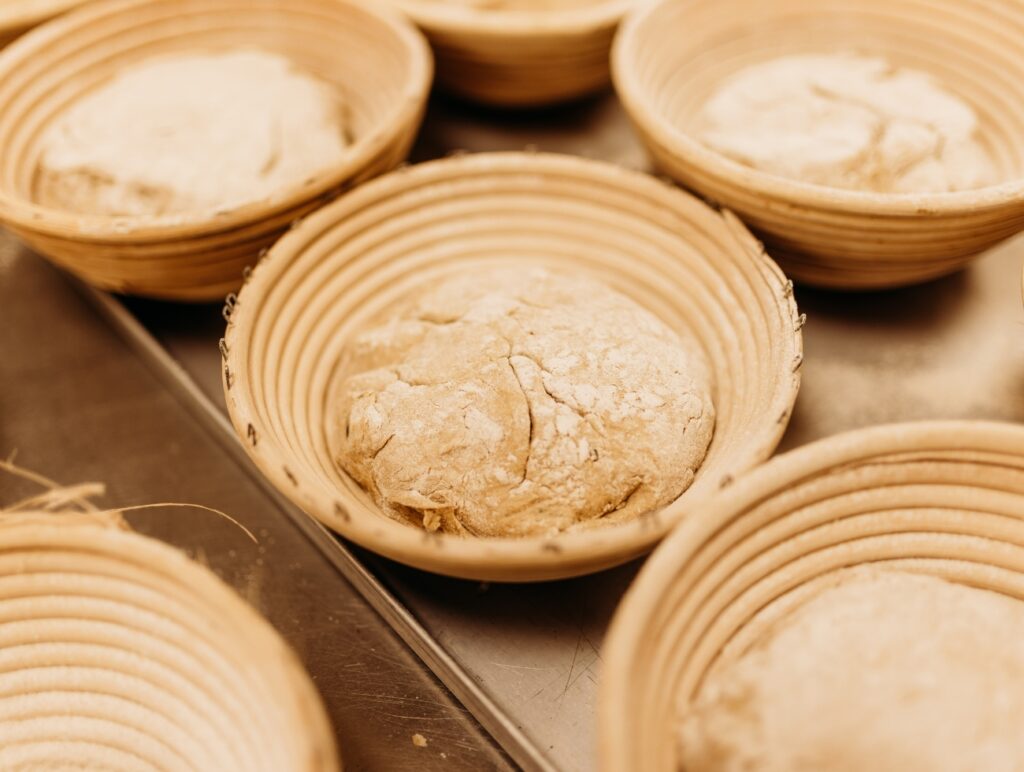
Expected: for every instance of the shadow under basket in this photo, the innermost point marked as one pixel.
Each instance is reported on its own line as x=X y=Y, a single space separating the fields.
x=696 y=269
x=941 y=498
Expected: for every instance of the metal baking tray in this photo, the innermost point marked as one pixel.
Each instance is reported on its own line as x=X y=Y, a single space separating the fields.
x=526 y=660
x=79 y=403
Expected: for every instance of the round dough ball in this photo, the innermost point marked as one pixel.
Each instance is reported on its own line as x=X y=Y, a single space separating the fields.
x=848 y=121
x=520 y=402
x=886 y=672
x=192 y=134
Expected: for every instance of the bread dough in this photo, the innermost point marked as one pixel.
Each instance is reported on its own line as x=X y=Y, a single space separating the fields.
x=517 y=402
x=886 y=672
x=847 y=121
x=195 y=133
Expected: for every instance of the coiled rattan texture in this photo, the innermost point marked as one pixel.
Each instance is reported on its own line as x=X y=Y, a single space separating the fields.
x=19 y=16
x=697 y=269
x=945 y=498
x=118 y=652
x=378 y=61
x=669 y=56
x=520 y=57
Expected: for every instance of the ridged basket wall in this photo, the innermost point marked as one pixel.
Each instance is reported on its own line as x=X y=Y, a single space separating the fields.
x=19 y=16
x=944 y=498
x=118 y=652
x=668 y=58
x=520 y=57
x=697 y=269
x=379 y=62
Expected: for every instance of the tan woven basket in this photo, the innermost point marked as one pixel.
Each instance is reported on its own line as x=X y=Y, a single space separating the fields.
x=380 y=63
x=945 y=498
x=19 y=16
x=695 y=268
x=669 y=56
x=119 y=652
x=520 y=57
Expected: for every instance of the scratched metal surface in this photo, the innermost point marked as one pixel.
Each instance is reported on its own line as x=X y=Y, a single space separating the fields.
x=953 y=348
x=78 y=405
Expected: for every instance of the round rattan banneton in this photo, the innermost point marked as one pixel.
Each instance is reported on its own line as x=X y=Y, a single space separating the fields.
x=668 y=58
x=118 y=652
x=378 y=61
x=697 y=269
x=944 y=498
x=520 y=57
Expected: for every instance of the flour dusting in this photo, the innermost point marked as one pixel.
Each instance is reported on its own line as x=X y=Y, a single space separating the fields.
x=886 y=671
x=848 y=121
x=520 y=402
x=192 y=133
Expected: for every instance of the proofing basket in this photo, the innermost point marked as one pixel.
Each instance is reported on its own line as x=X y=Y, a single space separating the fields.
x=669 y=57
x=378 y=62
x=698 y=270
x=121 y=653
x=520 y=58
x=941 y=498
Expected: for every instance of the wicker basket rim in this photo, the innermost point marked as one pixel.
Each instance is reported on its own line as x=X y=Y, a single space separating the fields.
x=643 y=597
x=627 y=47
x=27 y=13
x=477 y=555
x=510 y=24
x=129 y=547
x=118 y=230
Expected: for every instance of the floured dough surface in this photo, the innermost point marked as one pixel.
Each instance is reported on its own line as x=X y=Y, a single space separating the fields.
x=886 y=672
x=847 y=121
x=519 y=402
x=192 y=133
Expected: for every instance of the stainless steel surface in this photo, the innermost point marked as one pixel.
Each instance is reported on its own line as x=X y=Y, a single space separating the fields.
x=344 y=558
x=78 y=404
x=953 y=348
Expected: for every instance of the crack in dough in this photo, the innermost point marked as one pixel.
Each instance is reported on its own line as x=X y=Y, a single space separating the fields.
x=847 y=121
x=521 y=402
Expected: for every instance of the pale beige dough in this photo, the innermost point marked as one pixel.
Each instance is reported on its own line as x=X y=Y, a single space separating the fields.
x=192 y=133
x=847 y=121
x=887 y=672
x=518 y=402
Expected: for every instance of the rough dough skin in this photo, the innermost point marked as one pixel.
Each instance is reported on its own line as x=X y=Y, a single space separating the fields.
x=847 y=121
x=888 y=672
x=191 y=133
x=519 y=402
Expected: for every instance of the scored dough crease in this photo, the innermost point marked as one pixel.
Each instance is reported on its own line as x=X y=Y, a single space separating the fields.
x=521 y=402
